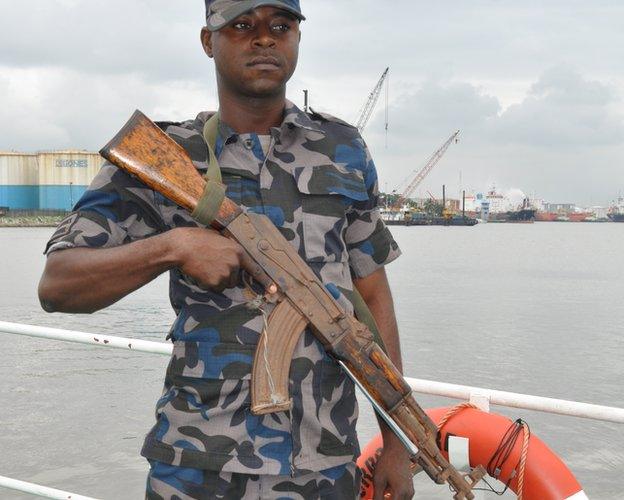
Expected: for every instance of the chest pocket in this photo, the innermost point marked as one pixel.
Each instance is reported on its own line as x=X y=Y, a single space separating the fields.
x=327 y=191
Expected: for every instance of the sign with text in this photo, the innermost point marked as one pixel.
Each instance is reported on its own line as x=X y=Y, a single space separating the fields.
x=72 y=163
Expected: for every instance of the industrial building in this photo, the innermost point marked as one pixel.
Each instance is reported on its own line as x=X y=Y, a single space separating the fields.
x=46 y=180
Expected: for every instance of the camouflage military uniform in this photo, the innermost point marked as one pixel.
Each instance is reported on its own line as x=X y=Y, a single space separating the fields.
x=318 y=185
x=170 y=482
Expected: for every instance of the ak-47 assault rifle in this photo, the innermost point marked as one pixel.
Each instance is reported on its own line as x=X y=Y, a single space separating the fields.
x=301 y=300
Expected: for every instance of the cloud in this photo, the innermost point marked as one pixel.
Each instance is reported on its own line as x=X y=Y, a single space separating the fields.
x=436 y=109
x=563 y=141
x=154 y=38
x=534 y=87
x=563 y=109
x=59 y=108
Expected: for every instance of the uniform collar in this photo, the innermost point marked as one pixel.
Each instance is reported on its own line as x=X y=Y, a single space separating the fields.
x=293 y=117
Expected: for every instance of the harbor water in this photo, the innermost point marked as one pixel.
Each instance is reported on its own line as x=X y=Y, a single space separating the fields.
x=533 y=308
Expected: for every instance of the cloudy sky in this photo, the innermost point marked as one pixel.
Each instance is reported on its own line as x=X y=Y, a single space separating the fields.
x=536 y=88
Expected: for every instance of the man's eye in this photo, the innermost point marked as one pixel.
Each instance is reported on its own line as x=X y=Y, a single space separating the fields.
x=280 y=27
x=241 y=26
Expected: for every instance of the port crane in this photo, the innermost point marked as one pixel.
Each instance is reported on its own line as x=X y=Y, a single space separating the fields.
x=367 y=109
x=422 y=173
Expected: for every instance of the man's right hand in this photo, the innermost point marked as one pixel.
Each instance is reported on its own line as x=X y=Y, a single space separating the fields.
x=84 y=280
x=211 y=260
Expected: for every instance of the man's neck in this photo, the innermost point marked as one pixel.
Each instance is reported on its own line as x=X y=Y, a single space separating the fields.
x=250 y=114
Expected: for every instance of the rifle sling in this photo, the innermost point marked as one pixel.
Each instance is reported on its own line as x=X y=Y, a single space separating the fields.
x=213 y=196
x=214 y=192
x=211 y=130
x=363 y=314
x=208 y=205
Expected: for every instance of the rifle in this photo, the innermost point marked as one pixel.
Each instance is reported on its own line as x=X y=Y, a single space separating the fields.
x=145 y=151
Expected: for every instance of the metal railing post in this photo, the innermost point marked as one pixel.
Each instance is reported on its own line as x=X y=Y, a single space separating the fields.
x=481 y=400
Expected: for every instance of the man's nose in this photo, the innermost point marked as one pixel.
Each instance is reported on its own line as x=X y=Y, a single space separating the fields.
x=264 y=37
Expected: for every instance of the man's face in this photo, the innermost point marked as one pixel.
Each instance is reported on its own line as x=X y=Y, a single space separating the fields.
x=256 y=54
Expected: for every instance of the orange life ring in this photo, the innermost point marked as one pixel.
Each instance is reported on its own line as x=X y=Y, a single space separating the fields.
x=546 y=477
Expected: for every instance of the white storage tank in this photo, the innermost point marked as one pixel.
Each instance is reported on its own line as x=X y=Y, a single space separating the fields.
x=64 y=177
x=19 y=181
x=47 y=180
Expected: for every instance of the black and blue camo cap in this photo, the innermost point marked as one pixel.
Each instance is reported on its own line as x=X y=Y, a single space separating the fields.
x=219 y=13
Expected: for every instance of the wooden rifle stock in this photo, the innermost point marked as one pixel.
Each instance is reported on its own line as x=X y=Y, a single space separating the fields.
x=146 y=152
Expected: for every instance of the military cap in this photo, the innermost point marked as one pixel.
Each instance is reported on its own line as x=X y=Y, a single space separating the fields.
x=221 y=12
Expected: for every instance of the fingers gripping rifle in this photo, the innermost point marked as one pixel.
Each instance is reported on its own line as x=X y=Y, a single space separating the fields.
x=146 y=152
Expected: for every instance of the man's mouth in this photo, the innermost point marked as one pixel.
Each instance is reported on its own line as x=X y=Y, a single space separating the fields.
x=264 y=63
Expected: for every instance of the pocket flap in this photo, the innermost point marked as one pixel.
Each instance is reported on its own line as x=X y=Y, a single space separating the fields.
x=331 y=179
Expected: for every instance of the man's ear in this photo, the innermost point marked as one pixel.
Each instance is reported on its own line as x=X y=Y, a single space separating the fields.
x=206 y=41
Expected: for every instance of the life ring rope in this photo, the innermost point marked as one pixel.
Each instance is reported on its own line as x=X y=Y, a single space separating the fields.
x=513 y=455
x=454 y=411
x=523 y=458
x=508 y=444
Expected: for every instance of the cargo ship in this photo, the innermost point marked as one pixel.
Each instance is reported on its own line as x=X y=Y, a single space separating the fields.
x=616 y=213
x=580 y=216
x=546 y=216
x=565 y=216
x=423 y=219
x=524 y=214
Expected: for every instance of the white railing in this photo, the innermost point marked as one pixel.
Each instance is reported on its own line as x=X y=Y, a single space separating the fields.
x=480 y=396
x=41 y=491
x=86 y=338
x=484 y=397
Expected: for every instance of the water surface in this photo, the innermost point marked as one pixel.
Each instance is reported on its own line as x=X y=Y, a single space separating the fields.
x=526 y=308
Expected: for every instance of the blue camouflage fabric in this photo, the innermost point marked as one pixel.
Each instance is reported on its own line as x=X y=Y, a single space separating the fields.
x=318 y=185
x=183 y=483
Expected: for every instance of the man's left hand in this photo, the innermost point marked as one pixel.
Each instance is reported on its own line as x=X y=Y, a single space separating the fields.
x=393 y=476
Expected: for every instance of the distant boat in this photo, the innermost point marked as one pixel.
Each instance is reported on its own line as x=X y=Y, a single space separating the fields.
x=524 y=213
x=546 y=216
x=422 y=219
x=616 y=212
x=579 y=216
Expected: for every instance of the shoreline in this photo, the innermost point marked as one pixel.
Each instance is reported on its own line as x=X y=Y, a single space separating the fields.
x=31 y=221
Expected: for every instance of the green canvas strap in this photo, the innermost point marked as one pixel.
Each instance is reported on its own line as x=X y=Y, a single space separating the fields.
x=210 y=202
x=211 y=130
x=213 y=196
x=214 y=192
x=364 y=314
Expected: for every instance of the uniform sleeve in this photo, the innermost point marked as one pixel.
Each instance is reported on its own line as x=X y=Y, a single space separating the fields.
x=369 y=242
x=116 y=209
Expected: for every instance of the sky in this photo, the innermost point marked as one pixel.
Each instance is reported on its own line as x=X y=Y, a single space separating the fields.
x=536 y=88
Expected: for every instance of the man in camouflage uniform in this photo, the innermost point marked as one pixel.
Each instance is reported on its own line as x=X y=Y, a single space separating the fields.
x=312 y=175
